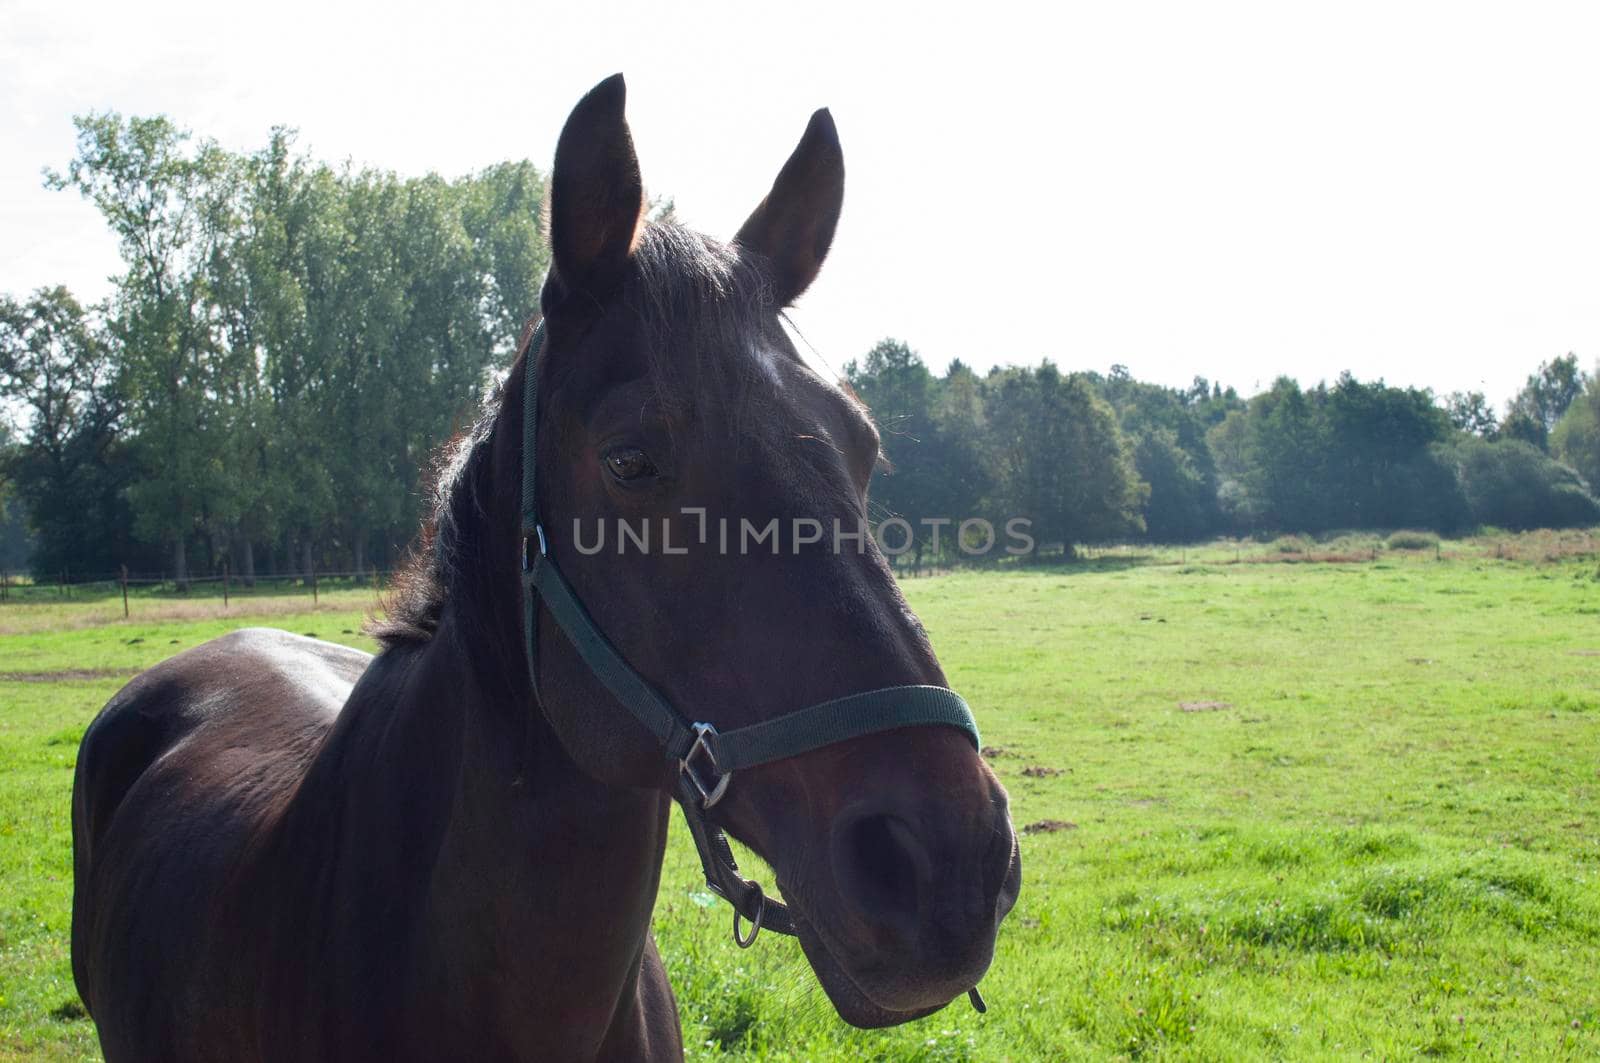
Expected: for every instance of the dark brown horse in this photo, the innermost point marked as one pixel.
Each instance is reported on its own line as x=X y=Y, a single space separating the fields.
x=287 y=850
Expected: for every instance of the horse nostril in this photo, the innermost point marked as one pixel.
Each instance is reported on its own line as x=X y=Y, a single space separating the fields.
x=883 y=869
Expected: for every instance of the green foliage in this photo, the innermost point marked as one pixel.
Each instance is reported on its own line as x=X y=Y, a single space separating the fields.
x=1512 y=484
x=1285 y=446
x=1412 y=540
x=1064 y=461
x=1020 y=443
x=1470 y=412
x=69 y=469
x=16 y=539
x=1182 y=501
x=1172 y=452
x=1351 y=456
x=1576 y=437
x=1524 y=426
x=1536 y=410
x=292 y=341
x=170 y=204
x=929 y=471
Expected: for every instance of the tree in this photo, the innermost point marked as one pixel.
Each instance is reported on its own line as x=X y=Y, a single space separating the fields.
x=1351 y=456
x=1534 y=412
x=961 y=425
x=1470 y=412
x=1512 y=484
x=54 y=364
x=67 y=469
x=1285 y=454
x=1064 y=462
x=1229 y=441
x=1576 y=438
x=290 y=342
x=500 y=211
x=16 y=539
x=1377 y=458
x=896 y=386
x=169 y=203
x=1171 y=453
x=1182 y=502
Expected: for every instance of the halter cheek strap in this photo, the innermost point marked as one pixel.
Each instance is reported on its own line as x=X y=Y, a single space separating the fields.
x=706 y=758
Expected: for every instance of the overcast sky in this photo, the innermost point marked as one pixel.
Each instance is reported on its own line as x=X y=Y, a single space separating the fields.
x=1405 y=190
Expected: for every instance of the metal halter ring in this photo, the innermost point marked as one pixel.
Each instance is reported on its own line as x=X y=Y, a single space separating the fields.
x=528 y=541
x=710 y=792
x=755 y=924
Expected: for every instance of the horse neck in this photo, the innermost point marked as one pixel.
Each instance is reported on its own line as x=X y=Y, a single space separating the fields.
x=544 y=875
x=543 y=886
x=525 y=884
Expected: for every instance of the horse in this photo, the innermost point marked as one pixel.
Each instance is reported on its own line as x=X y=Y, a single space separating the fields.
x=287 y=849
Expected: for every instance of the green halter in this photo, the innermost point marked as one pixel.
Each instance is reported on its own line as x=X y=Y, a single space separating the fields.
x=706 y=758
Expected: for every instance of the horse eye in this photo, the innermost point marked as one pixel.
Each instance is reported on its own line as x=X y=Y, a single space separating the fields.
x=629 y=463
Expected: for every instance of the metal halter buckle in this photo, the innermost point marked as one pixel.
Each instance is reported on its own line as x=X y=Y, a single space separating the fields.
x=710 y=793
x=755 y=924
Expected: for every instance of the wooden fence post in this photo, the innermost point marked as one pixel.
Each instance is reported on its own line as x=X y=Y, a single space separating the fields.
x=122 y=578
x=313 y=585
x=224 y=585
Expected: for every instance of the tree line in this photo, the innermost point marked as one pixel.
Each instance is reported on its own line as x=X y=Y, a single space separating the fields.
x=289 y=342
x=287 y=345
x=1091 y=457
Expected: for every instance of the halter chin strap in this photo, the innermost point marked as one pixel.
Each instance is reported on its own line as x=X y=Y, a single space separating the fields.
x=706 y=758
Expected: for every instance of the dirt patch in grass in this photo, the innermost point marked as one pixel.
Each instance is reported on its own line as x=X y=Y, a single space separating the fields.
x=1310 y=558
x=1204 y=706
x=1049 y=826
x=992 y=752
x=68 y=675
x=1039 y=771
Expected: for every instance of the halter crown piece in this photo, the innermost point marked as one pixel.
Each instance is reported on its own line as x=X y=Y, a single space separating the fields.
x=706 y=758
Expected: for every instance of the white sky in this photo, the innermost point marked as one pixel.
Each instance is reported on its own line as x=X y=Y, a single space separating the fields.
x=1405 y=190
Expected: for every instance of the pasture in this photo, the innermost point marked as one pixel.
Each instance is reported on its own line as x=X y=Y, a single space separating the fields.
x=1325 y=809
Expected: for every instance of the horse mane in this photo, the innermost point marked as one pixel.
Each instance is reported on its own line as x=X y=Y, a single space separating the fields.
x=696 y=299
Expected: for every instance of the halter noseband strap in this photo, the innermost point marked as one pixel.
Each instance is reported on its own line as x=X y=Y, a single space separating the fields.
x=706 y=757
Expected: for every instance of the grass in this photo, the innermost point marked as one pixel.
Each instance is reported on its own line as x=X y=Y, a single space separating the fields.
x=1294 y=809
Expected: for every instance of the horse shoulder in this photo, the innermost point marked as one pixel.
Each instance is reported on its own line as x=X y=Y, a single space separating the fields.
x=170 y=777
x=255 y=679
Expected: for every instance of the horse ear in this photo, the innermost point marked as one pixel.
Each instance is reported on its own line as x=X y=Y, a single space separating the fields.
x=596 y=196
x=793 y=226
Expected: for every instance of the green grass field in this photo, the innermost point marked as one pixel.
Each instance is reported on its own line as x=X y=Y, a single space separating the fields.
x=1274 y=811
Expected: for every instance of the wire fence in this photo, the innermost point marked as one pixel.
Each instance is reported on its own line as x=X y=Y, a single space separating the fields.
x=1354 y=548
x=20 y=589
